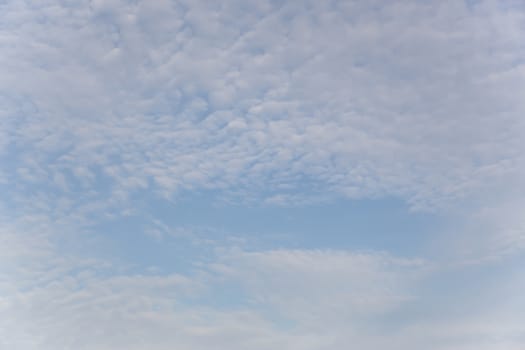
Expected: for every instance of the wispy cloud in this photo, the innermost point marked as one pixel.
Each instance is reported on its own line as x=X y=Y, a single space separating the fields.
x=288 y=298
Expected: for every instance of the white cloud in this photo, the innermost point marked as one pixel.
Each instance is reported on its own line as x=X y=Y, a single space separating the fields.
x=308 y=285
x=281 y=103
x=51 y=300
x=297 y=299
x=182 y=96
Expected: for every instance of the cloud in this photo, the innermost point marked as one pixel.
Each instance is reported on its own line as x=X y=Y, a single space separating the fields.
x=105 y=104
x=235 y=298
x=322 y=284
x=172 y=96
x=53 y=299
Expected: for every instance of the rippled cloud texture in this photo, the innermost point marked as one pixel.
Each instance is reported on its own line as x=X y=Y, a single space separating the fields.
x=262 y=175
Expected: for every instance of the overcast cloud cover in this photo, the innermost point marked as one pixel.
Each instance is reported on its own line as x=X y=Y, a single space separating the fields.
x=262 y=175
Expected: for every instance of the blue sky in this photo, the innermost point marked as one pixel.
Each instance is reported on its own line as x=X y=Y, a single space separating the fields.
x=262 y=175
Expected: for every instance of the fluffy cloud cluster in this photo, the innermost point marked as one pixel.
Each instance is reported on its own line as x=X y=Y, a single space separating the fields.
x=406 y=99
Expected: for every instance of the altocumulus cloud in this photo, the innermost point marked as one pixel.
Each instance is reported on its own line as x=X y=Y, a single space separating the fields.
x=108 y=105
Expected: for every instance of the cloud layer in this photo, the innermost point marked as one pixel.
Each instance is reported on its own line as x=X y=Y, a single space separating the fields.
x=107 y=105
x=297 y=299
x=178 y=96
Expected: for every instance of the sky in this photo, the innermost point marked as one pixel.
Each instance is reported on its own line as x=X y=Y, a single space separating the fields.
x=299 y=175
